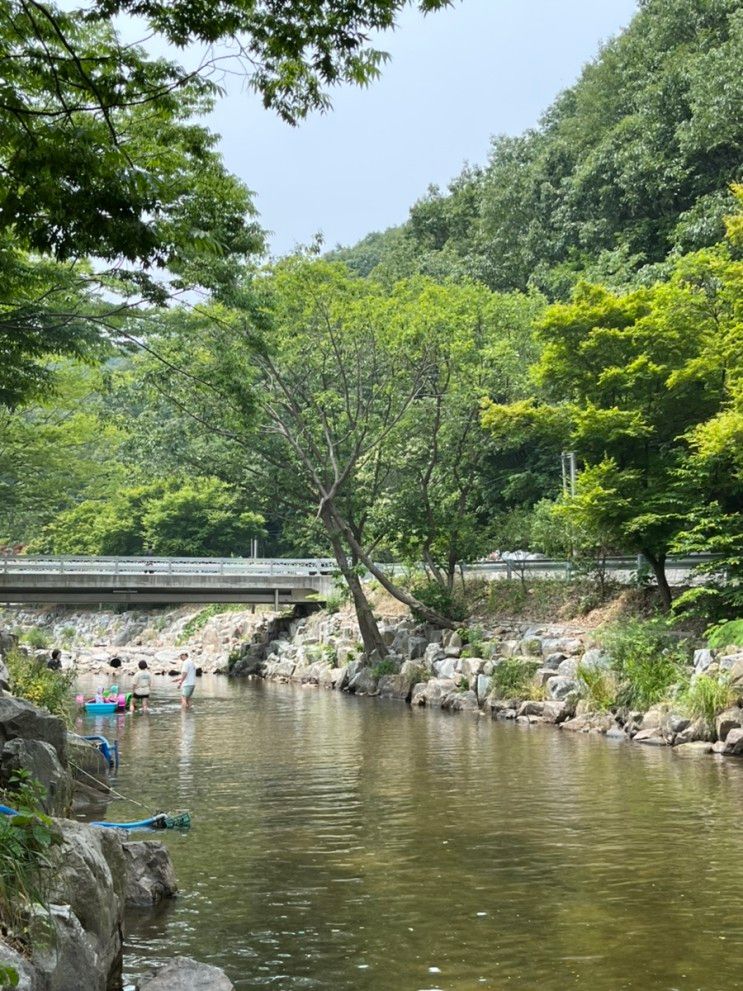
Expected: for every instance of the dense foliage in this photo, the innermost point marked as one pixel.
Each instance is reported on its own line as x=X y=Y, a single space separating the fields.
x=407 y=399
x=629 y=164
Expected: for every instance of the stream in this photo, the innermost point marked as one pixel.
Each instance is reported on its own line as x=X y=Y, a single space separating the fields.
x=345 y=843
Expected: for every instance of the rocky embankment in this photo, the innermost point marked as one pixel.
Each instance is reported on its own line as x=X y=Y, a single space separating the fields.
x=89 y=639
x=430 y=667
x=73 y=937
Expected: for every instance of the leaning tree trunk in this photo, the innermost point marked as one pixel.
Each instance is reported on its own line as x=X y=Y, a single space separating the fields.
x=368 y=628
x=436 y=618
x=658 y=564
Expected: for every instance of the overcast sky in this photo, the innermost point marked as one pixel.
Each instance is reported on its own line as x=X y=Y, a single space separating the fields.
x=456 y=77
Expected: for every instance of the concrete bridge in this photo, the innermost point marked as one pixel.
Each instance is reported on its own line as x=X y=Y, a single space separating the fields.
x=151 y=580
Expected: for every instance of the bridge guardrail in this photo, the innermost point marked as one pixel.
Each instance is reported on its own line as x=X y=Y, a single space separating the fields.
x=36 y=564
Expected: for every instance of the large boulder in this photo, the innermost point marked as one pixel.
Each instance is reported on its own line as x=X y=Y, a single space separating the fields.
x=184 y=974
x=732 y=745
x=561 y=687
x=459 y=701
x=87 y=909
x=728 y=720
x=19 y=718
x=150 y=877
x=40 y=761
x=432 y=692
x=363 y=682
x=445 y=668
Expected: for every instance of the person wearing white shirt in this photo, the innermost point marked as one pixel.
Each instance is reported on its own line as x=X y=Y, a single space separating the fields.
x=187 y=680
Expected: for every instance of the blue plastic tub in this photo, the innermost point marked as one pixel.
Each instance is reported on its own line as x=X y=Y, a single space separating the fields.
x=101 y=708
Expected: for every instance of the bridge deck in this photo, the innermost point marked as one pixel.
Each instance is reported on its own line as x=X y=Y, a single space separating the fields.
x=163 y=580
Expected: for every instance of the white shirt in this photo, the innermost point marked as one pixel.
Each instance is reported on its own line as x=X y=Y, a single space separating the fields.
x=189 y=669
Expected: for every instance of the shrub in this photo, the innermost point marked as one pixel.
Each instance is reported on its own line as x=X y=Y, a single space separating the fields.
x=435 y=596
x=385 y=666
x=707 y=695
x=36 y=638
x=68 y=634
x=24 y=842
x=726 y=634
x=647 y=660
x=598 y=688
x=31 y=679
x=512 y=677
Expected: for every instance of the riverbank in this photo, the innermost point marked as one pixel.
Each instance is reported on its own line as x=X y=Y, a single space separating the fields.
x=90 y=639
x=556 y=673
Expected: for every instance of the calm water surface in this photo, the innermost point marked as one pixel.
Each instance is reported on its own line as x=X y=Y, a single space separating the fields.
x=343 y=843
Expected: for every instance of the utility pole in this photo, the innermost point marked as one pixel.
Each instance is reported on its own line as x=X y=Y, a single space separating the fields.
x=569 y=472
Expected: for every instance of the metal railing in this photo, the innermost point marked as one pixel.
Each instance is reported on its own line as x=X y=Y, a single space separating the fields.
x=36 y=564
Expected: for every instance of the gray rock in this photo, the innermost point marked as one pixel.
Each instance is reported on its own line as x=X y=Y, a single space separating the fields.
x=41 y=762
x=650 y=737
x=728 y=720
x=417 y=647
x=86 y=910
x=363 y=683
x=470 y=667
x=568 y=668
x=401 y=642
x=732 y=745
x=702 y=660
x=185 y=974
x=445 y=668
x=595 y=660
x=728 y=661
x=19 y=718
x=560 y=688
x=555 y=711
x=531 y=708
x=694 y=747
x=150 y=876
x=531 y=647
x=434 y=652
x=482 y=686
x=27 y=973
x=432 y=692
x=553 y=661
x=4 y=676
x=452 y=651
x=460 y=701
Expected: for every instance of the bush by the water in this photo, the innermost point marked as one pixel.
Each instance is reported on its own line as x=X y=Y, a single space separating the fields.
x=512 y=678
x=598 y=687
x=24 y=842
x=648 y=660
x=31 y=679
x=435 y=596
x=726 y=634
x=36 y=638
x=707 y=695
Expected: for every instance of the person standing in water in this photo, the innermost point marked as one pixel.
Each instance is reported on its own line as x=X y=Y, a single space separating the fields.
x=141 y=687
x=187 y=680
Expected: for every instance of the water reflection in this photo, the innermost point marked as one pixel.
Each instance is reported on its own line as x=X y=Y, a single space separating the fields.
x=341 y=844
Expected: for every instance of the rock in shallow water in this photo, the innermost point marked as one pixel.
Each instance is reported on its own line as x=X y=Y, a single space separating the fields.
x=185 y=974
x=150 y=877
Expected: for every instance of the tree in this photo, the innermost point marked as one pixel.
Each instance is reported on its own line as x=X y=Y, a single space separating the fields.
x=434 y=507
x=171 y=517
x=633 y=374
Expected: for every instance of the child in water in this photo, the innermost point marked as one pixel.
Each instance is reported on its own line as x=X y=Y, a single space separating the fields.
x=141 y=686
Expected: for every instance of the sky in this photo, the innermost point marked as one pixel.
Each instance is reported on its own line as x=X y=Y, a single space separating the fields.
x=455 y=78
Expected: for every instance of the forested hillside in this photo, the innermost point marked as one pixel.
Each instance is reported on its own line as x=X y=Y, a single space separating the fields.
x=628 y=166
x=410 y=398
